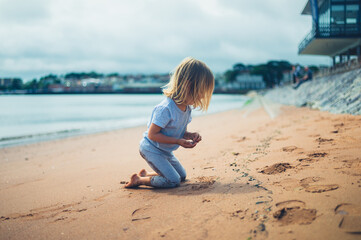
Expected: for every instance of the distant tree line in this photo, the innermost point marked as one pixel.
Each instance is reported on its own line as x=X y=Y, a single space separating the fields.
x=83 y=75
x=272 y=73
x=45 y=81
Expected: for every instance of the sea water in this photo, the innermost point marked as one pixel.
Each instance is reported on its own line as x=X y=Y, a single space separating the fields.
x=32 y=118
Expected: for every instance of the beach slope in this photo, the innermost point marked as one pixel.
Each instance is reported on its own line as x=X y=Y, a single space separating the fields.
x=259 y=173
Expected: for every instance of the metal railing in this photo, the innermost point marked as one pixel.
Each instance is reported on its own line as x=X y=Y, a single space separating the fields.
x=310 y=36
x=340 y=68
x=338 y=31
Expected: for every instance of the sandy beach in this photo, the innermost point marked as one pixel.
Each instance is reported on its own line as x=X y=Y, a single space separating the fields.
x=263 y=172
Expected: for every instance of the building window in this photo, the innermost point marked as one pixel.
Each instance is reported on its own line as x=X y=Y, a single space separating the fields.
x=352 y=12
x=338 y=14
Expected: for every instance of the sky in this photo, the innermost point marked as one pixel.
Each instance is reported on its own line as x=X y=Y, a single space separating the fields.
x=38 y=37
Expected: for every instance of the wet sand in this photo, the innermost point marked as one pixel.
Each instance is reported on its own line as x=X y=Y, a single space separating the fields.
x=272 y=172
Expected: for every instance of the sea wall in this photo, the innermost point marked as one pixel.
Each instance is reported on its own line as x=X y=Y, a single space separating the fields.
x=339 y=93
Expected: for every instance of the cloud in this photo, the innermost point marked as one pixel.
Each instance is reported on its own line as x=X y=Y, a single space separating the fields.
x=128 y=36
x=23 y=12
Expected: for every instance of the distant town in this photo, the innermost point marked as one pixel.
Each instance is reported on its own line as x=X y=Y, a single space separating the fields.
x=240 y=79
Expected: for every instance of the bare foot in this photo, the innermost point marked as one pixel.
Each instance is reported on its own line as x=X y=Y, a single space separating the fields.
x=134 y=181
x=143 y=173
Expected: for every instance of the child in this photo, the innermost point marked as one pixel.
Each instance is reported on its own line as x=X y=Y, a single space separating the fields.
x=191 y=84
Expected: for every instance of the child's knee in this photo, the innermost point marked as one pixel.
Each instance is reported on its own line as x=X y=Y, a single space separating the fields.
x=182 y=175
x=183 y=178
x=174 y=182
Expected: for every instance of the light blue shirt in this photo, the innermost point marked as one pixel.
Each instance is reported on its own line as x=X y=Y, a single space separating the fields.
x=173 y=122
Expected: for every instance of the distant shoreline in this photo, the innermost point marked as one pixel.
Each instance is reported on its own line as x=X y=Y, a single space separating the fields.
x=24 y=92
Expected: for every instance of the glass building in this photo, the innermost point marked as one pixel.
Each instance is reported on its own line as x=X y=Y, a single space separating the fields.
x=336 y=29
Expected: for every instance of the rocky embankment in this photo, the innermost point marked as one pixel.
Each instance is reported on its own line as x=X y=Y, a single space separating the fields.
x=339 y=93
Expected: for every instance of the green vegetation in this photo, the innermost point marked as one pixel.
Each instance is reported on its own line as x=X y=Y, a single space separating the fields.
x=83 y=75
x=272 y=71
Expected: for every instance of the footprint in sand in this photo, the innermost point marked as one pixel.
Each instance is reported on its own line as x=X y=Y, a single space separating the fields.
x=348 y=209
x=305 y=183
x=321 y=188
x=293 y=212
x=307 y=160
x=324 y=140
x=49 y=212
x=317 y=154
x=291 y=203
x=308 y=180
x=289 y=148
x=140 y=214
x=351 y=167
x=314 y=135
x=339 y=128
x=241 y=214
x=313 y=157
x=241 y=139
x=282 y=138
x=351 y=217
x=339 y=125
x=276 y=168
x=289 y=184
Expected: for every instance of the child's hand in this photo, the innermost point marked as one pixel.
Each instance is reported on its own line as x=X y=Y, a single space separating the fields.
x=187 y=143
x=196 y=137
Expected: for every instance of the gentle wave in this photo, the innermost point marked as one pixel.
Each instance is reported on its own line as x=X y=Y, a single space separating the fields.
x=37 y=135
x=33 y=118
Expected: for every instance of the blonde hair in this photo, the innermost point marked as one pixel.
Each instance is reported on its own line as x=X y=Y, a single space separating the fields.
x=191 y=79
